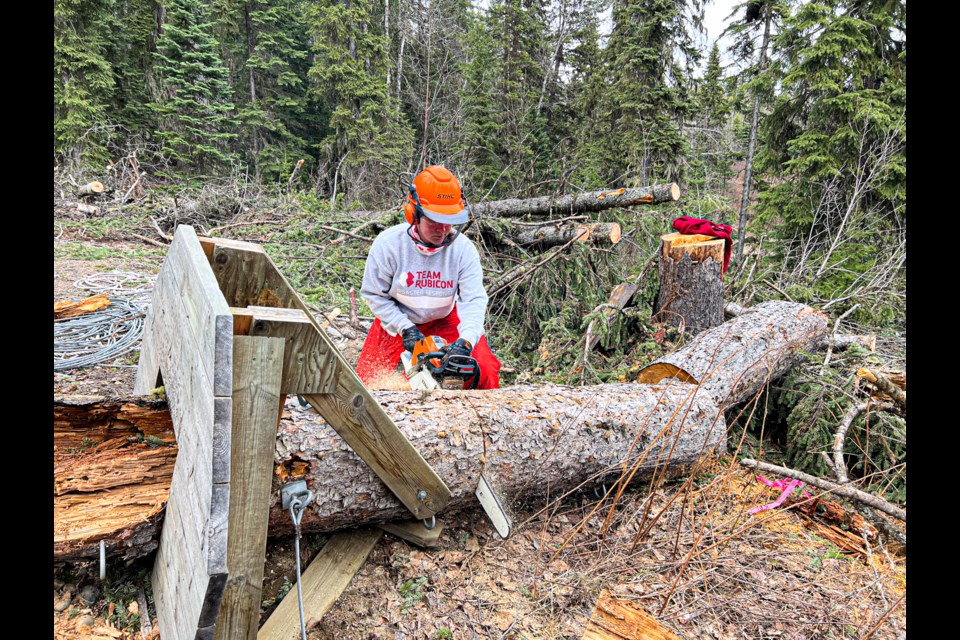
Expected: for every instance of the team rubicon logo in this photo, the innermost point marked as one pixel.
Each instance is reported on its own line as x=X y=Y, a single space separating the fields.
x=427 y=280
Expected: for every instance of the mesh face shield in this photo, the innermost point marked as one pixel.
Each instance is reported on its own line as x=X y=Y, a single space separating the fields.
x=459 y=221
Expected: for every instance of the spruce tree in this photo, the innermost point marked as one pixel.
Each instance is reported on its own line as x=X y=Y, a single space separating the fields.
x=194 y=108
x=649 y=55
x=481 y=69
x=133 y=28
x=522 y=143
x=267 y=46
x=367 y=142
x=83 y=81
x=586 y=90
x=836 y=142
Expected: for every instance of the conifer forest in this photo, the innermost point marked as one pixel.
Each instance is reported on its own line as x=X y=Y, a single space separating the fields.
x=300 y=124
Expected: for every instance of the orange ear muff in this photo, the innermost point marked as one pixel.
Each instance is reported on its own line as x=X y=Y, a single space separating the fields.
x=408 y=211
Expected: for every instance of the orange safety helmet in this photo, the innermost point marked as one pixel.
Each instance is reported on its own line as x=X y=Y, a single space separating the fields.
x=436 y=194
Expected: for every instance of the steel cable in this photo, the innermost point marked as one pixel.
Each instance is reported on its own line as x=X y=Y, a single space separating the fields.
x=91 y=338
x=120 y=284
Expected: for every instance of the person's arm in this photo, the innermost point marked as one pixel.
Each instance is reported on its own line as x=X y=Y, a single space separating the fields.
x=377 y=280
x=472 y=303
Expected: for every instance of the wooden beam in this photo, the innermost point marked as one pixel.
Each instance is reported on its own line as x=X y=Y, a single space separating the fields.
x=258 y=366
x=414 y=532
x=322 y=583
x=309 y=365
x=246 y=272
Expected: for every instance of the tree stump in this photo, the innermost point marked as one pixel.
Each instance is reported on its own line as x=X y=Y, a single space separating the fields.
x=691 y=282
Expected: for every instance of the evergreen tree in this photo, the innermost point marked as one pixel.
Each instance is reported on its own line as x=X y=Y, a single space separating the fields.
x=712 y=98
x=836 y=142
x=522 y=140
x=481 y=70
x=83 y=80
x=758 y=16
x=586 y=89
x=367 y=142
x=133 y=27
x=273 y=109
x=194 y=106
x=647 y=97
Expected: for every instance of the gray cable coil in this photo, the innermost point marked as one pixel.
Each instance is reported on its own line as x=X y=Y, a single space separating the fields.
x=91 y=338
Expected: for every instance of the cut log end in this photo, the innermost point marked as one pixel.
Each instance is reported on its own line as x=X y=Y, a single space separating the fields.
x=675 y=191
x=615 y=233
x=661 y=371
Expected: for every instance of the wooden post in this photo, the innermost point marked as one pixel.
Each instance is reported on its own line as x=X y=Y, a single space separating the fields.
x=257 y=370
x=691 y=282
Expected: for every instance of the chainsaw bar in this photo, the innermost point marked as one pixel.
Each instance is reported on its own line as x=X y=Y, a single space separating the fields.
x=494 y=508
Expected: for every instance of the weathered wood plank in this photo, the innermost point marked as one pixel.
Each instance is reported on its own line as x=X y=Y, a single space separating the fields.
x=322 y=583
x=309 y=365
x=191 y=342
x=187 y=274
x=258 y=367
x=413 y=531
x=350 y=409
x=248 y=277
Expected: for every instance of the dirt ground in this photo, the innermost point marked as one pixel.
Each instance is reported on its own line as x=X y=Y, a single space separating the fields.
x=687 y=553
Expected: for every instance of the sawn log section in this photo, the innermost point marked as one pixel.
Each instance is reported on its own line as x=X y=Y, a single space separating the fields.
x=523 y=438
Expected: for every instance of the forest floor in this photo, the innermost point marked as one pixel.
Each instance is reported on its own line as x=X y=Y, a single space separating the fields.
x=686 y=552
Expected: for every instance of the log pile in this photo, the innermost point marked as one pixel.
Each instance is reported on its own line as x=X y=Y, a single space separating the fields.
x=519 y=437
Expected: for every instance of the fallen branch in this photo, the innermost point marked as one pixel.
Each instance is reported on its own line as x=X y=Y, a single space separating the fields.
x=836 y=325
x=885 y=385
x=838 y=466
x=150 y=241
x=845 y=491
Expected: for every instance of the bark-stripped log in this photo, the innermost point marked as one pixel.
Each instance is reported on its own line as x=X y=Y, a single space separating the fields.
x=734 y=360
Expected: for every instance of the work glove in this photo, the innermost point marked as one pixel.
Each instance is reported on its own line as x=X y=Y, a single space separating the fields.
x=460 y=348
x=411 y=336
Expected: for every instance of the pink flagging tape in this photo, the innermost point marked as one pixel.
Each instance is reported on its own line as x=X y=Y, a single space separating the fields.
x=782 y=484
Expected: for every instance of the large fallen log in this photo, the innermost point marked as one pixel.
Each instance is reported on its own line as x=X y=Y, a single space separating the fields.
x=519 y=436
x=523 y=438
x=732 y=361
x=577 y=203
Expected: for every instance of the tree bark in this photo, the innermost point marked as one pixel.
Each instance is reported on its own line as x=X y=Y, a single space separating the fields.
x=577 y=203
x=566 y=204
x=90 y=189
x=734 y=360
x=518 y=436
x=597 y=233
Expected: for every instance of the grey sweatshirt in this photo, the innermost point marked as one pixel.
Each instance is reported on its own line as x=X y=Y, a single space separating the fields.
x=404 y=287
